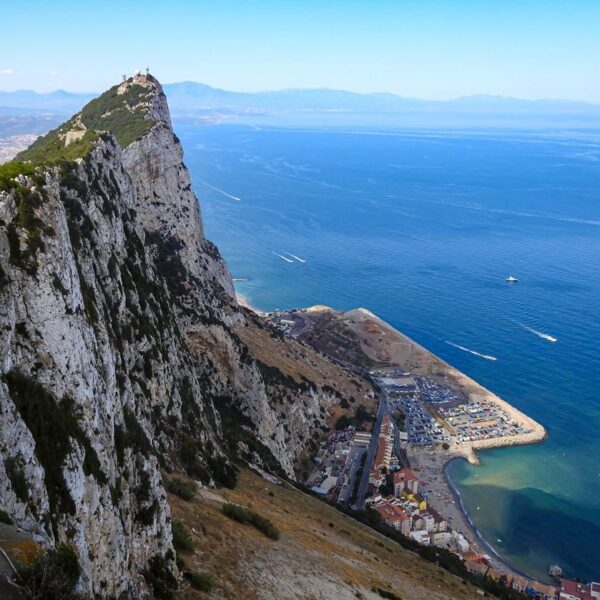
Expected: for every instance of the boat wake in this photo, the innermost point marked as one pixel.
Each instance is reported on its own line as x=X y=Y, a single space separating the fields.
x=283 y=257
x=216 y=189
x=296 y=257
x=484 y=356
x=540 y=334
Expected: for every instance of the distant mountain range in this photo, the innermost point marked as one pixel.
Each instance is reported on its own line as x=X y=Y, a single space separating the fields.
x=197 y=100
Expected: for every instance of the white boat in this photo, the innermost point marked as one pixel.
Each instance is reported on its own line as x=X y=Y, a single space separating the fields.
x=511 y=279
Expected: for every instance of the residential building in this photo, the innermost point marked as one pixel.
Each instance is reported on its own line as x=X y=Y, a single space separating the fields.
x=405 y=480
x=573 y=590
x=476 y=567
x=442 y=539
x=519 y=583
x=394 y=516
x=421 y=536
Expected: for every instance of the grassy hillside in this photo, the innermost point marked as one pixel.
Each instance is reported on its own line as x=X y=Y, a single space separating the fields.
x=121 y=111
x=319 y=554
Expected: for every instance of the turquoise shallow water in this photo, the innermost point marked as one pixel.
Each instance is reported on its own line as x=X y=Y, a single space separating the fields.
x=422 y=228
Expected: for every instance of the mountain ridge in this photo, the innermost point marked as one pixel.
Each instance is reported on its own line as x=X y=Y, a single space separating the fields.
x=183 y=93
x=121 y=346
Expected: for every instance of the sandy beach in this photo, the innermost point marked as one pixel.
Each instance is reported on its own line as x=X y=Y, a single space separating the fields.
x=430 y=467
x=243 y=301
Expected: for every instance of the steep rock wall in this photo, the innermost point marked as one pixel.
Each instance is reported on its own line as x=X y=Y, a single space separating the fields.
x=119 y=354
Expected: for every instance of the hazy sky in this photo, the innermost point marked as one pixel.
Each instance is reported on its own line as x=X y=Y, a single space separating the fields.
x=421 y=48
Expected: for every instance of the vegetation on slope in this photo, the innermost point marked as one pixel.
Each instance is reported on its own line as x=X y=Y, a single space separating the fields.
x=51 y=148
x=53 y=426
x=123 y=115
x=52 y=575
x=250 y=517
x=320 y=549
x=10 y=170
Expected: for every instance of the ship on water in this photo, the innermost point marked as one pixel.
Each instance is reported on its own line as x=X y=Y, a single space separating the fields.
x=511 y=279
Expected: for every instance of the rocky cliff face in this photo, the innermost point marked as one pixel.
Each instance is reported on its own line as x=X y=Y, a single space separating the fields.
x=118 y=347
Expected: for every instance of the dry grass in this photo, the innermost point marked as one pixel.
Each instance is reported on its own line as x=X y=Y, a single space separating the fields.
x=303 y=363
x=321 y=554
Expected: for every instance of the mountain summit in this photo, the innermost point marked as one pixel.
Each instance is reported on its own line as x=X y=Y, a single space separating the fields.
x=124 y=351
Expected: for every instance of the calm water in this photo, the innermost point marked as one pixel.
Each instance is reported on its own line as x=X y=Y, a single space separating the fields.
x=422 y=229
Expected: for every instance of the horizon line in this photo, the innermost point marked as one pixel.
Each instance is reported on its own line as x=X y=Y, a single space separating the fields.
x=321 y=89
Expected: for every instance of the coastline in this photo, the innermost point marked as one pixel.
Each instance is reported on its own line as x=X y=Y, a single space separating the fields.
x=478 y=535
x=243 y=301
x=434 y=462
x=442 y=495
x=458 y=380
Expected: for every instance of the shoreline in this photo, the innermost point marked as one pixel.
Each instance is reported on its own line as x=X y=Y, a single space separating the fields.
x=473 y=390
x=243 y=301
x=431 y=468
x=509 y=566
x=437 y=462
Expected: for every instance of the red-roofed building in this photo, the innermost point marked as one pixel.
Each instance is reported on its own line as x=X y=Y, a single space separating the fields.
x=383 y=455
x=394 y=516
x=405 y=480
x=573 y=590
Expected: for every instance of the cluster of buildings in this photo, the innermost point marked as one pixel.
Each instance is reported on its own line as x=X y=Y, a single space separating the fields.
x=385 y=450
x=433 y=415
x=338 y=464
x=331 y=462
x=407 y=511
x=480 y=565
x=478 y=420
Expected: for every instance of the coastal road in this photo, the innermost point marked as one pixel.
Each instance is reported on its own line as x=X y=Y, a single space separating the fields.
x=302 y=329
x=364 y=482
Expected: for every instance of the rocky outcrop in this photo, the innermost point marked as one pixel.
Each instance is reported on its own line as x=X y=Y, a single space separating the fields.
x=118 y=347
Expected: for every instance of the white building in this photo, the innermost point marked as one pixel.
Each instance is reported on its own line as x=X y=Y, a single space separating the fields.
x=442 y=539
x=421 y=536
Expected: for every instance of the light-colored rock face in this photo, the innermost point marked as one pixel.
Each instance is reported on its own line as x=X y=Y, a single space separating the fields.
x=117 y=356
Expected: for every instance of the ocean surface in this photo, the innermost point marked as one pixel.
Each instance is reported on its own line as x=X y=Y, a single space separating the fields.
x=422 y=228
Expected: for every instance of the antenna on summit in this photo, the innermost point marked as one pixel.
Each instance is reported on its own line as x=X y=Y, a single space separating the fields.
x=124 y=77
x=147 y=71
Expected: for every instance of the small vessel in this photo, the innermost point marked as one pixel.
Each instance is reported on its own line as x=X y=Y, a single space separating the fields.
x=511 y=279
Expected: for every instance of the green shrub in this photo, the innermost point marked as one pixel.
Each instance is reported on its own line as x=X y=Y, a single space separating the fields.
x=52 y=575
x=200 y=581
x=53 y=425
x=160 y=578
x=10 y=170
x=4 y=518
x=184 y=489
x=182 y=540
x=51 y=148
x=386 y=594
x=118 y=114
x=249 y=517
x=361 y=416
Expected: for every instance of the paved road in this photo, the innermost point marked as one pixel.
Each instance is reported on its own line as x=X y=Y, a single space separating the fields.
x=346 y=492
x=364 y=482
x=306 y=326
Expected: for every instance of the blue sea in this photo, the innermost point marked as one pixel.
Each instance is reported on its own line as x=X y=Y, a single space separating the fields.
x=422 y=228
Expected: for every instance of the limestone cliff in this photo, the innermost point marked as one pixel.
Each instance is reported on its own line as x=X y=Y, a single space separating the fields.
x=121 y=344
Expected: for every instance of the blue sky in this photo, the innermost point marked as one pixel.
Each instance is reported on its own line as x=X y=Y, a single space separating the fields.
x=427 y=49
